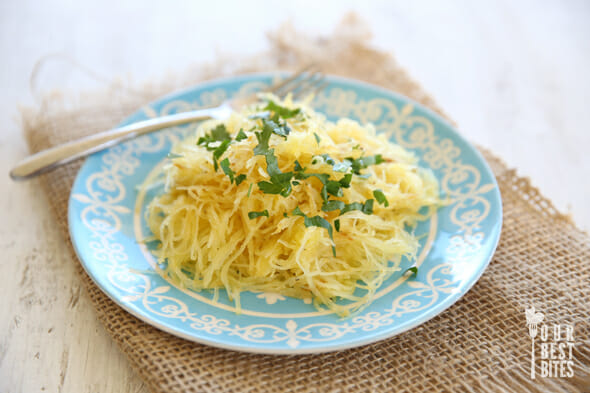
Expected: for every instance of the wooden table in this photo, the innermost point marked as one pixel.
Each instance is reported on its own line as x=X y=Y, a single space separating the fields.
x=514 y=77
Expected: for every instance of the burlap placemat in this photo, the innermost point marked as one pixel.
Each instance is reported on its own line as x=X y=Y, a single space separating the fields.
x=479 y=344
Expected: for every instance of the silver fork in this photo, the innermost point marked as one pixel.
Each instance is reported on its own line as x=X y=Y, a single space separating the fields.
x=307 y=81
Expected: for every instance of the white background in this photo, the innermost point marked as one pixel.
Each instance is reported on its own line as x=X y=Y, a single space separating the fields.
x=513 y=75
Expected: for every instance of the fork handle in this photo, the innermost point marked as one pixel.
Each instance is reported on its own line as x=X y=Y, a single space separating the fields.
x=54 y=157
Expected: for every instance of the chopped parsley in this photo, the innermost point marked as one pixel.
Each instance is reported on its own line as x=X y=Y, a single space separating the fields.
x=263 y=138
x=317 y=138
x=332 y=205
x=253 y=215
x=366 y=207
x=280 y=183
x=281 y=111
x=240 y=179
x=363 y=162
x=272 y=120
x=218 y=152
x=380 y=197
x=218 y=134
x=412 y=269
x=277 y=128
x=318 y=221
x=227 y=170
x=241 y=135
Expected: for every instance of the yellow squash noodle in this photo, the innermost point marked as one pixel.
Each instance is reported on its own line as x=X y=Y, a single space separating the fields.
x=208 y=240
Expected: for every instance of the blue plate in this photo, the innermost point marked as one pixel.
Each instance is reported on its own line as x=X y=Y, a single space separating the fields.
x=106 y=218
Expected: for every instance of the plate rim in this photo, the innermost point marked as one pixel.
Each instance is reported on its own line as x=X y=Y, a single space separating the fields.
x=420 y=319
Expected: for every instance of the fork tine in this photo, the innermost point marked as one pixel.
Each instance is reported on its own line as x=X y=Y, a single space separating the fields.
x=318 y=89
x=298 y=83
x=275 y=88
x=313 y=84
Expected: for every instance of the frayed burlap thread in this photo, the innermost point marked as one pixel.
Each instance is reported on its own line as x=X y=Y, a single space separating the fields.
x=480 y=344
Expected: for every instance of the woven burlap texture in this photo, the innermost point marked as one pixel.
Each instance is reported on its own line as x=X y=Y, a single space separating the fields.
x=479 y=344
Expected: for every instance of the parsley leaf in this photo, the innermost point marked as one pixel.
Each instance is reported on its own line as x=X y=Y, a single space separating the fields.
x=272 y=163
x=270 y=188
x=322 y=177
x=297 y=212
x=263 y=138
x=345 y=181
x=241 y=135
x=366 y=208
x=380 y=197
x=298 y=167
x=363 y=162
x=352 y=206
x=220 y=133
x=218 y=152
x=253 y=215
x=281 y=111
x=337 y=225
x=240 y=179
x=226 y=169
x=317 y=138
x=280 y=183
x=250 y=189
x=316 y=221
x=334 y=188
x=279 y=129
x=326 y=158
x=412 y=269
x=217 y=134
x=332 y=205
x=320 y=222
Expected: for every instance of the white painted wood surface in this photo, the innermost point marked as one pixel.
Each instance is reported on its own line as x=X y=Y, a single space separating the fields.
x=514 y=75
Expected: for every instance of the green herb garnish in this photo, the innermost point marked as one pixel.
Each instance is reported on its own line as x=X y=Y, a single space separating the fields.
x=317 y=138
x=281 y=111
x=277 y=128
x=241 y=135
x=380 y=197
x=253 y=215
x=297 y=212
x=363 y=162
x=272 y=121
x=218 y=152
x=263 y=138
x=226 y=169
x=332 y=205
x=240 y=179
x=320 y=222
x=366 y=207
x=412 y=269
x=217 y=134
x=280 y=183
